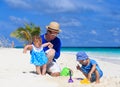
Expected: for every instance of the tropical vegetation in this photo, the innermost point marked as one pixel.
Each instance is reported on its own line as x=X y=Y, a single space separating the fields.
x=26 y=33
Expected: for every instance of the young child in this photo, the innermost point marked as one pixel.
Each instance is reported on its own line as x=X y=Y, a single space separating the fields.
x=89 y=67
x=38 y=56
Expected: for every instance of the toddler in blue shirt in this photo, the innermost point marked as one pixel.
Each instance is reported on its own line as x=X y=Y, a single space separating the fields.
x=89 y=68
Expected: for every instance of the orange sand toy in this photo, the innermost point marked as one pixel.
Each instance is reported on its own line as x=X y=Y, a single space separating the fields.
x=85 y=81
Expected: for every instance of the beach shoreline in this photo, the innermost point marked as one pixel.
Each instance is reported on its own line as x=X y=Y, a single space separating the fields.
x=105 y=58
x=15 y=68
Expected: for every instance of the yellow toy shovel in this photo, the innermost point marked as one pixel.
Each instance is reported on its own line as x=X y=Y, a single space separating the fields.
x=85 y=81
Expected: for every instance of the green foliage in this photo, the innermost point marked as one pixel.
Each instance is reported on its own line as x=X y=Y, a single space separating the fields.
x=26 y=33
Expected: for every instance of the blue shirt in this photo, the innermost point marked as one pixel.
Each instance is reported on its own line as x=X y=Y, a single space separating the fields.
x=56 y=46
x=86 y=69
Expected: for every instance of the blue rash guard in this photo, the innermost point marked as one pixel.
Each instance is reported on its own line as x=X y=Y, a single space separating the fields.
x=86 y=69
x=56 y=46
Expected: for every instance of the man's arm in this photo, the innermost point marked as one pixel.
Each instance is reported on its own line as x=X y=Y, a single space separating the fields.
x=57 y=47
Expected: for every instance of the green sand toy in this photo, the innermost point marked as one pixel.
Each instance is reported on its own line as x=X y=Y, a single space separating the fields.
x=65 y=72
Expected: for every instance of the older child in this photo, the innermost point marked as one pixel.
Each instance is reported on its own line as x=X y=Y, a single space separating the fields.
x=89 y=67
x=38 y=56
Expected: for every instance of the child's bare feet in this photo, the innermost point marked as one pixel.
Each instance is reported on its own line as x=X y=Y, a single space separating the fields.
x=97 y=82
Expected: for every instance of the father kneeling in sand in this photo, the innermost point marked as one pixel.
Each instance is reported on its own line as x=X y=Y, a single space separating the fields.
x=51 y=36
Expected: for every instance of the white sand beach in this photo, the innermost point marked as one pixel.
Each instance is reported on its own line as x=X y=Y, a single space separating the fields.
x=16 y=71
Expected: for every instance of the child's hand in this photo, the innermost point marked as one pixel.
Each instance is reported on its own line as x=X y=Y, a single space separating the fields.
x=78 y=67
x=50 y=45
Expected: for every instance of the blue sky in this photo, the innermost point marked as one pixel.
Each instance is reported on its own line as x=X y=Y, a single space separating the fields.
x=84 y=23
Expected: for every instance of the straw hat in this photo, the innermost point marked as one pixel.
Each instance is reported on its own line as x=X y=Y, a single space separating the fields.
x=53 y=26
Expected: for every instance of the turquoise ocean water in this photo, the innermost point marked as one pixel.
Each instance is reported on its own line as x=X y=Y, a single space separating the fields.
x=110 y=54
x=107 y=50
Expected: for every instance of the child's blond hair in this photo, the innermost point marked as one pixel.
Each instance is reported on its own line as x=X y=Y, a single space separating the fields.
x=37 y=39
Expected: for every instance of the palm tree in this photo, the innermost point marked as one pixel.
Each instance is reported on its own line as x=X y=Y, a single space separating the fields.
x=26 y=33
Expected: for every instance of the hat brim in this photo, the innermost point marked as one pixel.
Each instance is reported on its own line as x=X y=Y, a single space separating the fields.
x=55 y=30
x=81 y=58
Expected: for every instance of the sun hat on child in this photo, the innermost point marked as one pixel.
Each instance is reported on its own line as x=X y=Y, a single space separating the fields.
x=81 y=56
x=53 y=26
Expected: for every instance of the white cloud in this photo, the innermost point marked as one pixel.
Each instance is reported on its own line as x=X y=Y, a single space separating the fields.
x=61 y=5
x=70 y=6
x=18 y=3
x=38 y=5
x=3 y=26
x=18 y=20
x=117 y=40
x=69 y=22
x=69 y=34
x=87 y=5
x=65 y=35
x=54 y=6
x=115 y=31
x=93 y=32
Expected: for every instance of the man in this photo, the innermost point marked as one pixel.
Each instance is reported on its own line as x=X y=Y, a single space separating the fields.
x=51 y=36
